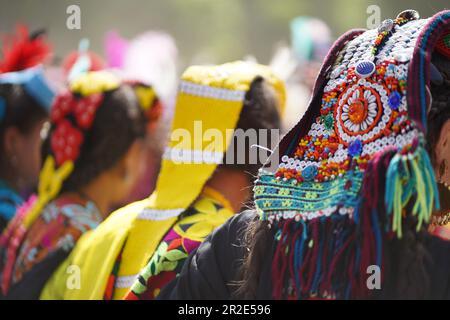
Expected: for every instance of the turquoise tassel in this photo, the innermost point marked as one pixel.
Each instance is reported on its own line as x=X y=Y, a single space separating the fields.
x=411 y=178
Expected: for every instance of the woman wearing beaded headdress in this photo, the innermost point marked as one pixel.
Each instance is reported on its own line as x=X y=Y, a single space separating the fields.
x=25 y=99
x=346 y=215
x=91 y=158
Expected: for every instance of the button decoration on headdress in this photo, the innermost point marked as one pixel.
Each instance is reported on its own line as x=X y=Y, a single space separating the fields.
x=66 y=142
x=366 y=68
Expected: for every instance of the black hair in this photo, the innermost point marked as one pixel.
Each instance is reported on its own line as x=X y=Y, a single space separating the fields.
x=22 y=112
x=119 y=121
x=260 y=111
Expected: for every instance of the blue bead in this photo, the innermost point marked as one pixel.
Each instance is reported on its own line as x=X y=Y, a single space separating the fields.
x=395 y=99
x=365 y=69
x=310 y=173
x=355 y=148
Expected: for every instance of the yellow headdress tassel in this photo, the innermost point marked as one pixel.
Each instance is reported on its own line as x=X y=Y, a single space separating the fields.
x=50 y=184
x=149 y=103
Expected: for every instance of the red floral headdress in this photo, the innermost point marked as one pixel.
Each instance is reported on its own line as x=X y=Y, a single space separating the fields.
x=67 y=139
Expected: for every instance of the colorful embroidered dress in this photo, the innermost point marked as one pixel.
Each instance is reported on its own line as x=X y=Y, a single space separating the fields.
x=194 y=225
x=9 y=201
x=52 y=236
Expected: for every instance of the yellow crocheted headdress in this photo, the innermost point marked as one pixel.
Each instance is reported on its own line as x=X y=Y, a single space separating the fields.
x=214 y=96
x=210 y=97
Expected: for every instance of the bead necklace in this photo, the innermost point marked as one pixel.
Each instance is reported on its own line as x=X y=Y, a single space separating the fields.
x=446 y=185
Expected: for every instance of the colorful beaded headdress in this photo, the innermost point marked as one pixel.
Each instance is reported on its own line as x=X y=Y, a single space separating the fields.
x=355 y=165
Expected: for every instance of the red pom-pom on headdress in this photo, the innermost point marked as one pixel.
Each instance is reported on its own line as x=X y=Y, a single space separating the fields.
x=67 y=138
x=22 y=50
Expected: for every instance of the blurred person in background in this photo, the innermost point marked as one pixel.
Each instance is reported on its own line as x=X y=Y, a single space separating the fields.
x=300 y=63
x=91 y=154
x=152 y=58
x=25 y=100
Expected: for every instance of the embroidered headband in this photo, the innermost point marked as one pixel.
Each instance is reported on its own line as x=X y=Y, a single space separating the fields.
x=355 y=162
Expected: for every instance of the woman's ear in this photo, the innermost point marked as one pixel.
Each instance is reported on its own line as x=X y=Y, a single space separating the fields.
x=11 y=143
x=133 y=162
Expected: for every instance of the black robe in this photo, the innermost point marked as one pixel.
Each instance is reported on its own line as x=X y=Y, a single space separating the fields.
x=212 y=271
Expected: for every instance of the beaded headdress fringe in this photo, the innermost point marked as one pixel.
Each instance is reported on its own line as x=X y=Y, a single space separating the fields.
x=330 y=255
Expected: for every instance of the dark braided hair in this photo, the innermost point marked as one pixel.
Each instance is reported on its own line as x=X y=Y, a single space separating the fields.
x=256 y=243
x=259 y=111
x=118 y=122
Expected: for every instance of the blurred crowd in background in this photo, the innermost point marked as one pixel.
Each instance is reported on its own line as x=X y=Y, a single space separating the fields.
x=86 y=116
